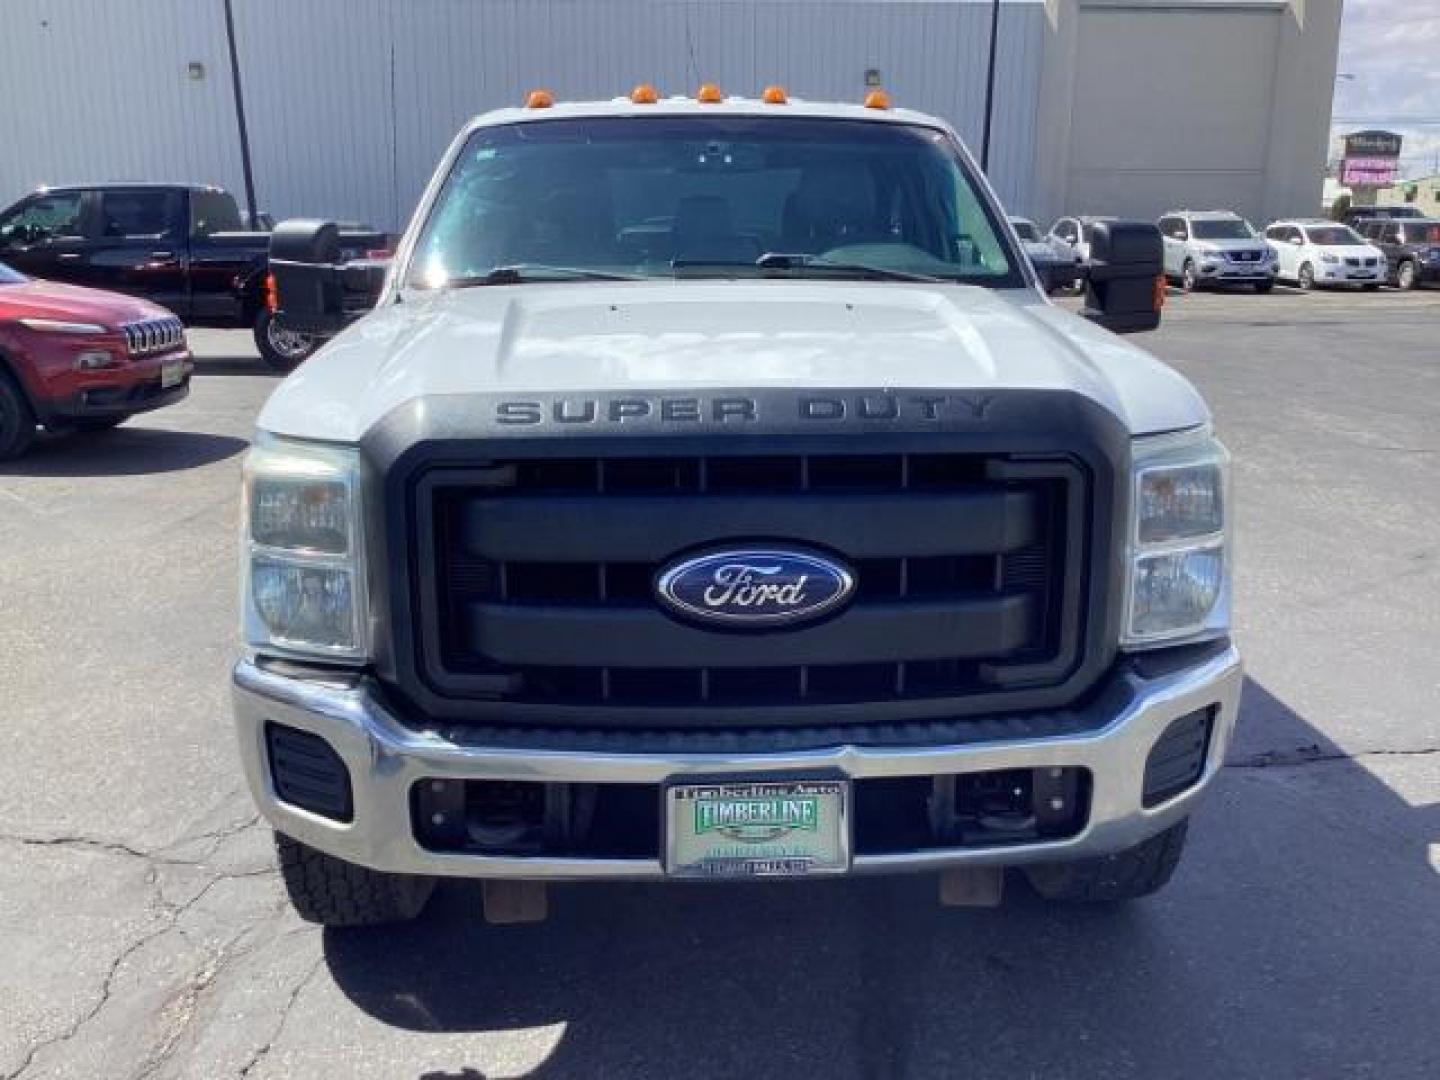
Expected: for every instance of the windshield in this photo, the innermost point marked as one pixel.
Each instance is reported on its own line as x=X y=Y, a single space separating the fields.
x=1221 y=229
x=10 y=277
x=1337 y=235
x=708 y=197
x=1025 y=229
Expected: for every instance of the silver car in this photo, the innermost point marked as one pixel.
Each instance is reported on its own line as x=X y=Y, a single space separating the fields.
x=1216 y=247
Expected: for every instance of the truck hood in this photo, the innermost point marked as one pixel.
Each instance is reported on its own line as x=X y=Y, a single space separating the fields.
x=668 y=335
x=36 y=299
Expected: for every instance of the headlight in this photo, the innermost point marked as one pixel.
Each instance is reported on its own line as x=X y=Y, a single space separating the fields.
x=60 y=326
x=1177 y=585
x=1327 y=257
x=302 y=576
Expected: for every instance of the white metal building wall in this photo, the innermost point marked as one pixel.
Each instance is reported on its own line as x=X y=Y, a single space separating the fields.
x=350 y=102
x=98 y=90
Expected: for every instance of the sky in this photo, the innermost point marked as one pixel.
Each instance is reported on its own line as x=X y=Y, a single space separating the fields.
x=1391 y=50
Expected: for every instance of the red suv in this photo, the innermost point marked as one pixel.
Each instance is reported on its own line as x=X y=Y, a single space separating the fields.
x=75 y=359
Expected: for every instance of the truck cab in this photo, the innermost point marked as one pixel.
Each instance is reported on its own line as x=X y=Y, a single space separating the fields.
x=148 y=240
x=714 y=493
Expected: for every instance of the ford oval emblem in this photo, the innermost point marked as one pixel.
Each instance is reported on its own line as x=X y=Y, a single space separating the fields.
x=754 y=587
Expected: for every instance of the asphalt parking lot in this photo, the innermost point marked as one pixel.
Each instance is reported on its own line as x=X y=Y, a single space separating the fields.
x=143 y=931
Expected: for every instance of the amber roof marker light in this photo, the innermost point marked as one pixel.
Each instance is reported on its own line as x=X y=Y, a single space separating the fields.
x=877 y=99
x=644 y=94
x=775 y=95
x=539 y=99
x=710 y=94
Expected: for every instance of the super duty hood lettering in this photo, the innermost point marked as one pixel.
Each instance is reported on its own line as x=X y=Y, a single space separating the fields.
x=727 y=409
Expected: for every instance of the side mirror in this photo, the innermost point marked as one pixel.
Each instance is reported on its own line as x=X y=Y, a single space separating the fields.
x=316 y=291
x=1124 y=282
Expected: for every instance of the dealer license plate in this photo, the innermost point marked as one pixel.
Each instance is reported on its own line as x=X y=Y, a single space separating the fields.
x=172 y=373
x=763 y=829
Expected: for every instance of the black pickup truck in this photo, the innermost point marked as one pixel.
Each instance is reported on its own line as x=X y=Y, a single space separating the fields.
x=183 y=246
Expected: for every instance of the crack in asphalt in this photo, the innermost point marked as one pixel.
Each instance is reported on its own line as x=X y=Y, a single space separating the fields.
x=114 y=847
x=157 y=855
x=180 y=1010
x=1313 y=755
x=170 y=912
x=269 y=1044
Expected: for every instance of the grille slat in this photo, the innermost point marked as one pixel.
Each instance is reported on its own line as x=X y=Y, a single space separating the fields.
x=633 y=528
x=153 y=335
x=545 y=572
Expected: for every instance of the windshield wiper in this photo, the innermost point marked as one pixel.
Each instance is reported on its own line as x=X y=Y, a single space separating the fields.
x=521 y=273
x=804 y=261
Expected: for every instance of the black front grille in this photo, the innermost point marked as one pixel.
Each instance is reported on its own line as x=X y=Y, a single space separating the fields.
x=542 y=591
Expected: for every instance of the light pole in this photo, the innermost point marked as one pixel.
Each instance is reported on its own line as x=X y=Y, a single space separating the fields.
x=990 y=86
x=240 y=116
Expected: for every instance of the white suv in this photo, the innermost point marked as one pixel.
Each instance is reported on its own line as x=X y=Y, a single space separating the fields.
x=1315 y=252
x=1215 y=247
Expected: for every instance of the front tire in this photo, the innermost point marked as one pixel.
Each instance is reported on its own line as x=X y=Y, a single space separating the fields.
x=17 y=422
x=332 y=892
x=1188 y=279
x=284 y=350
x=1405 y=275
x=1306 y=280
x=1109 y=879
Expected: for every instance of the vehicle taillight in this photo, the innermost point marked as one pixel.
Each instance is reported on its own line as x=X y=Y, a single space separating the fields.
x=272 y=297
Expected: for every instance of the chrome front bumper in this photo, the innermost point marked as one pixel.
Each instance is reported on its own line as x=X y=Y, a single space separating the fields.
x=385 y=759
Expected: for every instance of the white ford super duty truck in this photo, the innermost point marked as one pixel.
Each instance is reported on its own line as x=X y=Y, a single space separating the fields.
x=712 y=492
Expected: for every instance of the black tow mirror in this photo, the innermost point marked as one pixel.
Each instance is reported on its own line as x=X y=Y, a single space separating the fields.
x=1124 y=280
x=316 y=291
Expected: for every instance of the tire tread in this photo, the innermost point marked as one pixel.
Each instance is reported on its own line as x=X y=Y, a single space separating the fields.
x=1107 y=879
x=333 y=892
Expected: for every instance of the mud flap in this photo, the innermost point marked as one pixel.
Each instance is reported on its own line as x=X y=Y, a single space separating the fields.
x=510 y=902
x=972 y=886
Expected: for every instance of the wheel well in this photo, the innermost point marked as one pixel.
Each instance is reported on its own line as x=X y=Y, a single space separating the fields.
x=10 y=372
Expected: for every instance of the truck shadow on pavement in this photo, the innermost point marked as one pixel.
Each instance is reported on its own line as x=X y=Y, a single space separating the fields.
x=130 y=450
x=1253 y=963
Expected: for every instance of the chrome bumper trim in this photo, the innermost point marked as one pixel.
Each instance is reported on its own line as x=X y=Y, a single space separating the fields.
x=386 y=758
